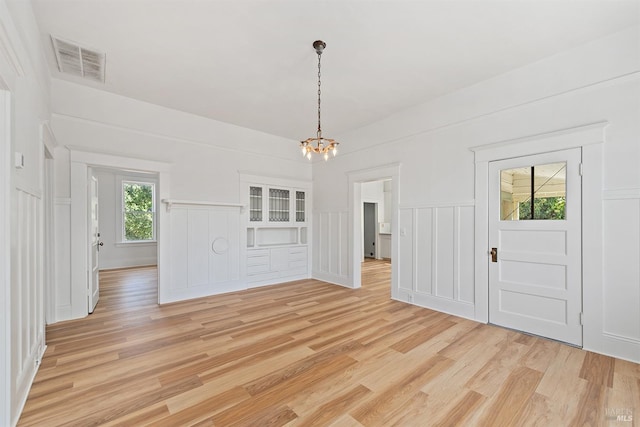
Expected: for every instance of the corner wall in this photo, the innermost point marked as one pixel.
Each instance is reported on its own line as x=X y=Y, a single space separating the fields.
x=204 y=160
x=599 y=81
x=25 y=108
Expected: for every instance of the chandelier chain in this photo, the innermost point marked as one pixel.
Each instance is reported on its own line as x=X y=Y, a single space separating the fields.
x=319 y=144
x=319 y=92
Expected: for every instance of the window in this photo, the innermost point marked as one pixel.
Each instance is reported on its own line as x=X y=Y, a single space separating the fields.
x=138 y=211
x=535 y=192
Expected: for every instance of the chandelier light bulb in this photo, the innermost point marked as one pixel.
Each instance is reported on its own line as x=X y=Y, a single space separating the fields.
x=335 y=151
x=326 y=156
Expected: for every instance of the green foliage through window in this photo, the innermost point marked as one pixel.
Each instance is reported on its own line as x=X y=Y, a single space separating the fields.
x=138 y=211
x=544 y=208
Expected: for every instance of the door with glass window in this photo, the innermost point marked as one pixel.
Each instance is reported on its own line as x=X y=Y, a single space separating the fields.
x=535 y=248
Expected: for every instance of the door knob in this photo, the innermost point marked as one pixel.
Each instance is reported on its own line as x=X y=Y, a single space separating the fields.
x=101 y=243
x=494 y=254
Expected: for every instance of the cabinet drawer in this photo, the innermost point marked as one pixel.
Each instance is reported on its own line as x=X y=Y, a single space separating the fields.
x=258 y=260
x=257 y=269
x=298 y=264
x=257 y=253
x=297 y=253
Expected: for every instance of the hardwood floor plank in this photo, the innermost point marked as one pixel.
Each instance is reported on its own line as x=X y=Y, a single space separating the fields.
x=422 y=336
x=598 y=368
x=333 y=409
x=197 y=411
x=541 y=353
x=562 y=377
x=309 y=353
x=591 y=411
x=497 y=370
x=375 y=410
x=463 y=408
x=506 y=408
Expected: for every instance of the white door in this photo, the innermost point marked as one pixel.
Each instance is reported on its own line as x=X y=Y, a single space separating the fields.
x=94 y=244
x=535 y=258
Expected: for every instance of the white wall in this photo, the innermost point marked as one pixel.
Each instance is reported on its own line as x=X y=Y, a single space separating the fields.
x=114 y=253
x=599 y=81
x=204 y=158
x=25 y=105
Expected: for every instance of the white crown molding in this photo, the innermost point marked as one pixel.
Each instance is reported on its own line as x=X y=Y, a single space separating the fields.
x=561 y=139
x=167 y=137
x=8 y=51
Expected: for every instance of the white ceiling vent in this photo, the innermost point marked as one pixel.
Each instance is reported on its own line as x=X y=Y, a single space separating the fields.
x=79 y=61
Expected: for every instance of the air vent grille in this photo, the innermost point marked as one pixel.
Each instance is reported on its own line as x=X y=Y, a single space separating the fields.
x=78 y=60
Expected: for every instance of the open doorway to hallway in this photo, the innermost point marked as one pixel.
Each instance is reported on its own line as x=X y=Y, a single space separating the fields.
x=127 y=226
x=376 y=199
x=359 y=181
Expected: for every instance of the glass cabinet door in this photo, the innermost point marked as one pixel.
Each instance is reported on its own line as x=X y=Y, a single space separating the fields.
x=300 y=206
x=278 y=205
x=255 y=204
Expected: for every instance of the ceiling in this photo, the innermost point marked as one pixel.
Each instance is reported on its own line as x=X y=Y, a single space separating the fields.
x=251 y=63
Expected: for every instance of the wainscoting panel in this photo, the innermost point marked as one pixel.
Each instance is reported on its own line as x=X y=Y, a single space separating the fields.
x=465 y=281
x=436 y=257
x=224 y=253
x=405 y=263
x=444 y=254
x=205 y=251
x=62 y=236
x=330 y=248
x=27 y=315
x=621 y=290
x=197 y=245
x=425 y=246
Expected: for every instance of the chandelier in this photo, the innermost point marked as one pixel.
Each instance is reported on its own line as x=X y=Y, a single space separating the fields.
x=319 y=144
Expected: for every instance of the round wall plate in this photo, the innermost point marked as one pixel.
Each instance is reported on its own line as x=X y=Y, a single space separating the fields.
x=220 y=245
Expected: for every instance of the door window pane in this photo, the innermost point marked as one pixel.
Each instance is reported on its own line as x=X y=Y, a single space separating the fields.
x=533 y=192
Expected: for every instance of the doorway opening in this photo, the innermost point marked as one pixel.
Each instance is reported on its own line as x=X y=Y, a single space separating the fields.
x=535 y=214
x=589 y=141
x=126 y=223
x=83 y=165
x=368 y=186
x=370 y=220
x=376 y=231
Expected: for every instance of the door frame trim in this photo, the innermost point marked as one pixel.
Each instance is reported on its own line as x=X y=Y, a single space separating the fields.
x=590 y=138
x=80 y=162
x=355 y=179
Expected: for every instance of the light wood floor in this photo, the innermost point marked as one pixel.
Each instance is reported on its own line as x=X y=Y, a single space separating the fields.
x=310 y=353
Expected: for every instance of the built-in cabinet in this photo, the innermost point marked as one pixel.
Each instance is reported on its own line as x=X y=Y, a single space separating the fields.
x=277 y=234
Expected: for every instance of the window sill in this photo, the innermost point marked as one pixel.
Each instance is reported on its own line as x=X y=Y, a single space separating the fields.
x=131 y=244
